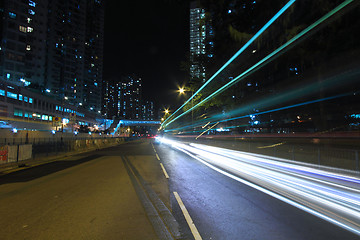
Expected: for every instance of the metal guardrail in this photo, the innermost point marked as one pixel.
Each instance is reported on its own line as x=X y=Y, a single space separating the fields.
x=17 y=141
x=46 y=147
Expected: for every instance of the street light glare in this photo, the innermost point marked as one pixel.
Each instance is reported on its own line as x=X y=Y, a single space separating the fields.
x=181 y=90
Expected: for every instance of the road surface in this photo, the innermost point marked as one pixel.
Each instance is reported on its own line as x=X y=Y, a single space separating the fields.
x=100 y=196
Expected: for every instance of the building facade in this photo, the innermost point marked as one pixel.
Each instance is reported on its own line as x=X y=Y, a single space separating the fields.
x=123 y=99
x=55 y=46
x=130 y=102
x=148 y=111
x=200 y=42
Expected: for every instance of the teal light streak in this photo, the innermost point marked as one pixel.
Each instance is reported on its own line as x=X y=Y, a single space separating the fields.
x=267 y=58
x=270 y=111
x=288 y=107
x=349 y=77
x=272 y=20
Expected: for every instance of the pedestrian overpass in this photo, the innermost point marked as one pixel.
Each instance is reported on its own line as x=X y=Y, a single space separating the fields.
x=127 y=123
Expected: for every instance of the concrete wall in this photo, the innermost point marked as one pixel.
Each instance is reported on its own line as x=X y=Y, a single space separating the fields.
x=15 y=153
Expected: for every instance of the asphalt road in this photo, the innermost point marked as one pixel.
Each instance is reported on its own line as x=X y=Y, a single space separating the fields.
x=91 y=197
x=223 y=208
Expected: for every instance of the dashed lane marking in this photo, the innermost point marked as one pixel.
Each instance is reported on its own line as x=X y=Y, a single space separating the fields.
x=165 y=173
x=189 y=221
x=157 y=156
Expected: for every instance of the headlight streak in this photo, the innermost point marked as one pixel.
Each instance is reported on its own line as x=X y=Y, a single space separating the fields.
x=285 y=182
x=271 y=21
x=290 y=164
x=310 y=165
x=332 y=200
x=291 y=170
x=266 y=59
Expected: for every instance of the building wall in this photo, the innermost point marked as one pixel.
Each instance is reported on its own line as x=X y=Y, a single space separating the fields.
x=123 y=100
x=23 y=41
x=54 y=44
x=131 y=97
x=197 y=42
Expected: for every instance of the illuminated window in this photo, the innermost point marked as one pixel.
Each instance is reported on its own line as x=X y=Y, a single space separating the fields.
x=2 y=92
x=25 y=99
x=31 y=12
x=18 y=112
x=28 y=47
x=11 y=95
x=30 y=29
x=12 y=15
x=20 y=97
x=30 y=100
x=32 y=3
x=22 y=29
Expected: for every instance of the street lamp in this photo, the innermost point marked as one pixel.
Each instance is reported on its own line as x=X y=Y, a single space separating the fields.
x=181 y=90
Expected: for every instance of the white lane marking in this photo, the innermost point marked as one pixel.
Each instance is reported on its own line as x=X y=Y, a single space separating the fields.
x=157 y=156
x=165 y=173
x=189 y=221
x=153 y=148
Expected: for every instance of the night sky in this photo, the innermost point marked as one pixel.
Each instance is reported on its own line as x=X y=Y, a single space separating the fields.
x=149 y=39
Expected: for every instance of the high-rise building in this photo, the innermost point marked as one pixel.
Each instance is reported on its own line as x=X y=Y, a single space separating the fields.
x=122 y=99
x=66 y=49
x=197 y=42
x=109 y=109
x=130 y=105
x=55 y=45
x=147 y=110
x=23 y=41
x=94 y=42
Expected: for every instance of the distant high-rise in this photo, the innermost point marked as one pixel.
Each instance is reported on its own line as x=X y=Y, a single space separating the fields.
x=123 y=99
x=131 y=101
x=147 y=111
x=197 y=42
x=55 y=45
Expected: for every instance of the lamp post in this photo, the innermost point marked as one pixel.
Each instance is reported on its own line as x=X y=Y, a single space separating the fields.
x=166 y=114
x=182 y=91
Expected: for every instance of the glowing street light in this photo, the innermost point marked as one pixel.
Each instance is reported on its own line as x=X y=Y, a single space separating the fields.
x=181 y=90
x=166 y=111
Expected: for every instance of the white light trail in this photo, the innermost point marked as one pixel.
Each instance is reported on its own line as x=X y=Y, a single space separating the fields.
x=331 y=196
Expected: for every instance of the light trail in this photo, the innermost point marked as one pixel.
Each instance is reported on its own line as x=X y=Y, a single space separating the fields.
x=217 y=118
x=266 y=59
x=207 y=130
x=271 y=21
x=331 y=196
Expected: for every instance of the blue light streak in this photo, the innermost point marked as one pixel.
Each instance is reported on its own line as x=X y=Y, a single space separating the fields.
x=216 y=119
x=271 y=21
x=265 y=60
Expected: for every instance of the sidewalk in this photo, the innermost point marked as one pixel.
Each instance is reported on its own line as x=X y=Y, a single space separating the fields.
x=98 y=195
